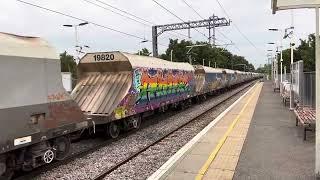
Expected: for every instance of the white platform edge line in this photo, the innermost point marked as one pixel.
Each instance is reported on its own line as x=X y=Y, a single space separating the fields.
x=175 y=158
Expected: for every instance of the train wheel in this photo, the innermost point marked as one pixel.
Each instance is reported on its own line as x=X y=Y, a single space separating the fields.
x=3 y=164
x=7 y=175
x=136 y=122
x=113 y=130
x=7 y=167
x=62 y=147
x=203 y=97
x=48 y=156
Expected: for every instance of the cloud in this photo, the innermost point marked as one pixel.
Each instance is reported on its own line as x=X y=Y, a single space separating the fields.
x=252 y=17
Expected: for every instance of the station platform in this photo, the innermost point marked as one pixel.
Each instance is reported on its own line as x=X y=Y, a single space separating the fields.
x=255 y=138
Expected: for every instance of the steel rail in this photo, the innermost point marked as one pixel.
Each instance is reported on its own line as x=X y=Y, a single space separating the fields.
x=41 y=169
x=44 y=168
x=107 y=171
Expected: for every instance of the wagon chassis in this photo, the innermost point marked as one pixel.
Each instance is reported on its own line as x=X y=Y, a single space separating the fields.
x=37 y=171
x=107 y=171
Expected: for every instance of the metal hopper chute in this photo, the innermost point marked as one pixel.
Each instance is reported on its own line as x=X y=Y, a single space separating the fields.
x=104 y=80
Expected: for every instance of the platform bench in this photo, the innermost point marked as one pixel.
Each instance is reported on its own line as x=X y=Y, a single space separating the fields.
x=285 y=98
x=306 y=115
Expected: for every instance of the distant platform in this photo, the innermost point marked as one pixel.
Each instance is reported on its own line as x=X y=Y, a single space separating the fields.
x=255 y=138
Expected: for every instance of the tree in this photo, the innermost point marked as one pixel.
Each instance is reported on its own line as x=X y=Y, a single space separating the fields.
x=144 y=52
x=219 y=56
x=68 y=64
x=305 y=51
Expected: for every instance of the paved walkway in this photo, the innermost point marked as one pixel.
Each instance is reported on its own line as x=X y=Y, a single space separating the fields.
x=274 y=148
x=255 y=138
x=214 y=152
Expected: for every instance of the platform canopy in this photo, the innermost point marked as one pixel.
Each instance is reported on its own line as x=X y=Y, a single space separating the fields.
x=293 y=4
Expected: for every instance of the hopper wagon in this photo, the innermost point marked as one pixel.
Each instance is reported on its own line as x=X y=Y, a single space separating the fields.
x=36 y=113
x=115 y=90
x=117 y=85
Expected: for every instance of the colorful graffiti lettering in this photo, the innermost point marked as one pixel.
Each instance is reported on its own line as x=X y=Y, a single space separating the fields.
x=120 y=112
x=137 y=80
x=57 y=97
x=157 y=83
x=126 y=106
x=151 y=87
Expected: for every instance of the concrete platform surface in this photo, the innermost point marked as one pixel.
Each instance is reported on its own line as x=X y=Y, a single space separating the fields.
x=214 y=152
x=255 y=138
x=274 y=147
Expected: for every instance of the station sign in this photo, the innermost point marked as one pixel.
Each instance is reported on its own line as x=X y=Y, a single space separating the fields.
x=293 y=4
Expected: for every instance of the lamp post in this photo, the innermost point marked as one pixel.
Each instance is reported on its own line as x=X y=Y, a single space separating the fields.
x=281 y=57
x=287 y=34
x=80 y=49
x=275 y=75
x=270 y=57
x=171 y=54
x=143 y=41
x=76 y=36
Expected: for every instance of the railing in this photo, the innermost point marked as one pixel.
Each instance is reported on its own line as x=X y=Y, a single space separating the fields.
x=309 y=89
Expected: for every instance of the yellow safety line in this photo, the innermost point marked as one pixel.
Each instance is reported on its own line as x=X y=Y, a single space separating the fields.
x=214 y=153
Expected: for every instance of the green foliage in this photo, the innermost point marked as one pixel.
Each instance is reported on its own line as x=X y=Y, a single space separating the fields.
x=68 y=64
x=144 y=52
x=305 y=51
x=222 y=57
x=266 y=69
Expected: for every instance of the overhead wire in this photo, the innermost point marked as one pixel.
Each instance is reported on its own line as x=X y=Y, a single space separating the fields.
x=195 y=11
x=84 y=20
x=135 y=16
x=185 y=2
x=238 y=29
x=229 y=40
x=176 y=16
x=95 y=4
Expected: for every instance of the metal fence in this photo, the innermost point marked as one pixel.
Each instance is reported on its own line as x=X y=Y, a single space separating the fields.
x=303 y=84
x=309 y=89
x=297 y=80
x=286 y=77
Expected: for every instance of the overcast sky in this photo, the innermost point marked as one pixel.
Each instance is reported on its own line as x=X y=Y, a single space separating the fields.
x=252 y=17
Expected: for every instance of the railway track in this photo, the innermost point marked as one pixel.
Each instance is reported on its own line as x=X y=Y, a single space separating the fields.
x=70 y=158
x=109 y=170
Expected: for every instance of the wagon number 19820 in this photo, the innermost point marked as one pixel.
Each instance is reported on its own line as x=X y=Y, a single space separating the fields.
x=103 y=57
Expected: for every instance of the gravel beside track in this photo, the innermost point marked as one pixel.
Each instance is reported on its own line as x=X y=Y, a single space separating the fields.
x=145 y=164
x=151 y=160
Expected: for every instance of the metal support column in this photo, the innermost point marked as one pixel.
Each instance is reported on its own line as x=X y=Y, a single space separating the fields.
x=317 y=59
x=155 y=41
x=213 y=32
x=291 y=84
x=210 y=23
x=209 y=34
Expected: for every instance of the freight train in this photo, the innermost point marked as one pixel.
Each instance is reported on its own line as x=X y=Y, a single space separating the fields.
x=115 y=90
